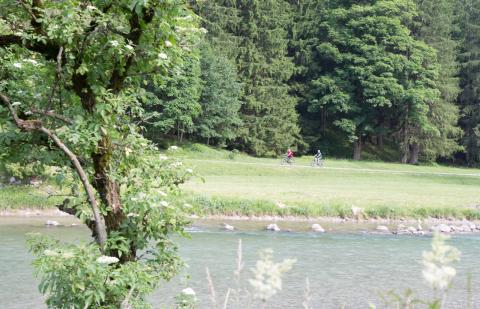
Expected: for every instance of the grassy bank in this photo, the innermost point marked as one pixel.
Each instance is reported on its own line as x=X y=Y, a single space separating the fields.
x=22 y=197
x=241 y=185
x=236 y=184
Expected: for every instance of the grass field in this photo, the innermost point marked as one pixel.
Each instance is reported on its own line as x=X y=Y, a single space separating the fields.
x=238 y=184
x=21 y=197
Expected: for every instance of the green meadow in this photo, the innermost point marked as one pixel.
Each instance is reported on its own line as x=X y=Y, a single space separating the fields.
x=230 y=183
x=235 y=184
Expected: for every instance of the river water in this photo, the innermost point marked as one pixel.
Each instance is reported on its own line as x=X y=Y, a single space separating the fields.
x=347 y=268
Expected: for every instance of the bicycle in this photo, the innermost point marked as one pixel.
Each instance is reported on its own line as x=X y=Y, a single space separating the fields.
x=317 y=162
x=287 y=161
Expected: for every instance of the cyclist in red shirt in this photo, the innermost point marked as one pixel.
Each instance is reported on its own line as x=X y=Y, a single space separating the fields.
x=289 y=154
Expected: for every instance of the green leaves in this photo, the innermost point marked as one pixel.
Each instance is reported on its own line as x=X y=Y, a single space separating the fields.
x=76 y=71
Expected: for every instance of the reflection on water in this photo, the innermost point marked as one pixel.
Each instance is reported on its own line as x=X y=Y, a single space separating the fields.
x=343 y=268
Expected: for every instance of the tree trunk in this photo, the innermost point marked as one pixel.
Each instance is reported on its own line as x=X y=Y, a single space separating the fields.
x=357 y=149
x=404 y=145
x=380 y=142
x=109 y=192
x=414 y=151
x=324 y=120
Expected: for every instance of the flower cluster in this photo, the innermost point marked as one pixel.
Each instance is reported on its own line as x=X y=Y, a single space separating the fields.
x=107 y=260
x=267 y=279
x=437 y=270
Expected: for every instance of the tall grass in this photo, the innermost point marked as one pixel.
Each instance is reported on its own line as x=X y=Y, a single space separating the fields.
x=204 y=205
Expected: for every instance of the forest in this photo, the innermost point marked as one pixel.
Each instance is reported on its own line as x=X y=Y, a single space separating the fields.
x=393 y=80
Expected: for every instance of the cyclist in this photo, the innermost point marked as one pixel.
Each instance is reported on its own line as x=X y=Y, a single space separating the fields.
x=289 y=155
x=318 y=158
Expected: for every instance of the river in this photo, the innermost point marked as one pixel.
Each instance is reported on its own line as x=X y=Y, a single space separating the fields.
x=347 y=268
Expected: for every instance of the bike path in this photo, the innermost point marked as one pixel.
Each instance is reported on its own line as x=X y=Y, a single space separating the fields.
x=353 y=169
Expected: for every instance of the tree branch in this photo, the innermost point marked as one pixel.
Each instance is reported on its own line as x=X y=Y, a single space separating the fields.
x=58 y=78
x=36 y=125
x=52 y=114
x=48 y=49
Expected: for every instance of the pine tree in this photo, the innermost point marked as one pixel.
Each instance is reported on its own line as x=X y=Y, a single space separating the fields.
x=469 y=99
x=435 y=25
x=269 y=111
x=254 y=35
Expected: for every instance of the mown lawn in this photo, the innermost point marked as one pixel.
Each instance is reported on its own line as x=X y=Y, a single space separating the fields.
x=383 y=189
x=236 y=184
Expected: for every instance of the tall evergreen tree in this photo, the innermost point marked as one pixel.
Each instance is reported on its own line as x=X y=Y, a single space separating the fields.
x=435 y=25
x=269 y=111
x=306 y=35
x=254 y=34
x=469 y=99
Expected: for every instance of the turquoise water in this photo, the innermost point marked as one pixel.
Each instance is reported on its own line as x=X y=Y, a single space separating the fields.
x=344 y=268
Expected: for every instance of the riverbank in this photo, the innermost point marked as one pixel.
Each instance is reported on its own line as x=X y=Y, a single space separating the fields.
x=54 y=217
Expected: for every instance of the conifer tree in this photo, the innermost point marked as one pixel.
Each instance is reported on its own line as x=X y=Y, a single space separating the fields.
x=469 y=99
x=254 y=35
x=435 y=25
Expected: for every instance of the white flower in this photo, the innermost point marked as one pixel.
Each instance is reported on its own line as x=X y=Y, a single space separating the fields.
x=107 y=259
x=203 y=30
x=188 y=291
x=189 y=170
x=114 y=43
x=32 y=61
x=173 y=148
x=18 y=65
x=168 y=43
x=50 y=253
x=176 y=164
x=162 y=56
x=91 y=7
x=437 y=271
x=268 y=275
x=129 y=47
x=164 y=203
x=68 y=255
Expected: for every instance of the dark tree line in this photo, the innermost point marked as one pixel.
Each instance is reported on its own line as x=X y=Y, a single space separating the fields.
x=396 y=80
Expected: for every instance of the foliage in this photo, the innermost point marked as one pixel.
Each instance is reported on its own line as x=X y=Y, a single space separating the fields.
x=220 y=120
x=72 y=97
x=254 y=34
x=435 y=25
x=175 y=103
x=77 y=276
x=469 y=57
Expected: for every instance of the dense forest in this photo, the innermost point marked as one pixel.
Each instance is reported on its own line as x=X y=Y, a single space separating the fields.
x=396 y=80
